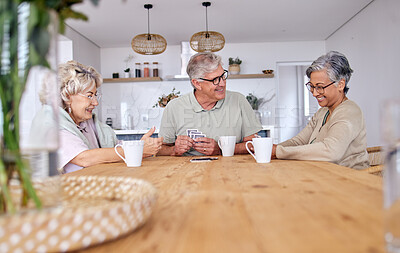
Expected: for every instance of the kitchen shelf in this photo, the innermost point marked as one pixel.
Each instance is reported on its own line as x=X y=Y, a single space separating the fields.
x=249 y=76
x=158 y=79
x=132 y=79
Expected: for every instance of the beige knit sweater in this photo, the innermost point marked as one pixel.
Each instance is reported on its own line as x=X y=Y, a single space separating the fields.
x=342 y=140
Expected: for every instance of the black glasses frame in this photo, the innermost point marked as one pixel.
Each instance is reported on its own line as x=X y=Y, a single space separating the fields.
x=217 y=80
x=320 y=89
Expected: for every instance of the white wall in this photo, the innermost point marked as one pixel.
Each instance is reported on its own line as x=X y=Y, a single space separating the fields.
x=255 y=56
x=371 y=41
x=84 y=51
x=138 y=98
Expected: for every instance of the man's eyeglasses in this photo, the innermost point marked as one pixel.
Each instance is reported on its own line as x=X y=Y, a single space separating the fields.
x=91 y=96
x=217 y=80
x=320 y=89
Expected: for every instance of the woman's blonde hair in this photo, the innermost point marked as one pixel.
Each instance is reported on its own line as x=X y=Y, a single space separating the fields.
x=75 y=77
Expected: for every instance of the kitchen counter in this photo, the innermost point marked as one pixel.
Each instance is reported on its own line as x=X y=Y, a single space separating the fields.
x=134 y=131
x=136 y=134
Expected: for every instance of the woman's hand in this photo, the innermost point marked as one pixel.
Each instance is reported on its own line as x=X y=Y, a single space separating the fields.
x=151 y=145
x=273 y=153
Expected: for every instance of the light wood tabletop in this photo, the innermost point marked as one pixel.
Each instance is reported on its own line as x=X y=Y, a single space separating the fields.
x=236 y=205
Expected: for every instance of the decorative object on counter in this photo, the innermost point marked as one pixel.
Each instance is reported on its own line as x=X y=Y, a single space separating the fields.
x=268 y=71
x=127 y=74
x=234 y=65
x=207 y=41
x=137 y=70
x=28 y=30
x=109 y=207
x=146 y=70
x=164 y=99
x=147 y=43
x=109 y=122
x=254 y=101
x=127 y=69
x=115 y=75
x=155 y=69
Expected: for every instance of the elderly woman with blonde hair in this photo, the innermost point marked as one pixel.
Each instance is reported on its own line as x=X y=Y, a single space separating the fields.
x=84 y=140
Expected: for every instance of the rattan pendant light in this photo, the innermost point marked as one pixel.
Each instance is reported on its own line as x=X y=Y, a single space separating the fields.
x=207 y=41
x=149 y=43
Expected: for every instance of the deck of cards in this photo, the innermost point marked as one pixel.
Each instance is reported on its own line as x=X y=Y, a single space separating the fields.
x=194 y=133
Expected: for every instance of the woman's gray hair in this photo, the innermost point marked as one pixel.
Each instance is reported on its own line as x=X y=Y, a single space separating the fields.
x=337 y=67
x=75 y=77
x=201 y=64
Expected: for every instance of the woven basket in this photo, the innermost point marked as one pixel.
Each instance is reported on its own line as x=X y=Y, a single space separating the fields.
x=94 y=210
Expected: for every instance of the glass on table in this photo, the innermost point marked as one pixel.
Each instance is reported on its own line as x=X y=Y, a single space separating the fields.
x=390 y=126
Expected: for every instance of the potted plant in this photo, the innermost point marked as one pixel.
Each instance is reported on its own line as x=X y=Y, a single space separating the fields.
x=35 y=36
x=255 y=103
x=127 y=60
x=164 y=99
x=127 y=74
x=234 y=65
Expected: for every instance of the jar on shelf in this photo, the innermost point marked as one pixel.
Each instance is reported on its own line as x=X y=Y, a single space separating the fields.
x=146 y=70
x=109 y=122
x=137 y=69
x=155 y=69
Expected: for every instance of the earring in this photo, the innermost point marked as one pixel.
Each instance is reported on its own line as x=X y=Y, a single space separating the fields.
x=69 y=110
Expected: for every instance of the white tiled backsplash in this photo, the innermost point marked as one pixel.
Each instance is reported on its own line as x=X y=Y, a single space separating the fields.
x=130 y=105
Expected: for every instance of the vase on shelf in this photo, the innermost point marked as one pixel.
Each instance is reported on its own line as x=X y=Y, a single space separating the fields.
x=127 y=75
x=234 y=69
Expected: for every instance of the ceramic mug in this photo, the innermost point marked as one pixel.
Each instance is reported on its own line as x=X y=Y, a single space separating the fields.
x=133 y=152
x=227 y=145
x=262 y=149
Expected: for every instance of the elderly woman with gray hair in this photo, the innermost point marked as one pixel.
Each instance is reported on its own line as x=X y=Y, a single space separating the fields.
x=336 y=133
x=84 y=140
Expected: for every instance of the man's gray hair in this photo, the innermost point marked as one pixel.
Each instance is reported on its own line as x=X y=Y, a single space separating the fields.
x=201 y=64
x=75 y=77
x=337 y=67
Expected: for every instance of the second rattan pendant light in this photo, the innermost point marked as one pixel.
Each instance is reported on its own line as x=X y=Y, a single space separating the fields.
x=207 y=41
x=149 y=43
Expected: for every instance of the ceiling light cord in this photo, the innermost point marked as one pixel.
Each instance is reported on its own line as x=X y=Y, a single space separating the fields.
x=206 y=4
x=148 y=7
x=148 y=24
x=206 y=21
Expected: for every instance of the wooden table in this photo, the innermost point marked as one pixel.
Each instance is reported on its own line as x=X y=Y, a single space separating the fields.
x=237 y=205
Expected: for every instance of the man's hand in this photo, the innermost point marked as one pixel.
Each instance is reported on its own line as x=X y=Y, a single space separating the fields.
x=182 y=144
x=206 y=146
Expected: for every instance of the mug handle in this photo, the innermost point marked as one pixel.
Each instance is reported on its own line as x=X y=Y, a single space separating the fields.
x=247 y=147
x=219 y=143
x=116 y=151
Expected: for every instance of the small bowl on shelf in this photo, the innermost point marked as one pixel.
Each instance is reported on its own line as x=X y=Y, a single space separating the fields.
x=268 y=71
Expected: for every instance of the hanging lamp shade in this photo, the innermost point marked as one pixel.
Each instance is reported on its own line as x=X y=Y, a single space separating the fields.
x=147 y=43
x=207 y=41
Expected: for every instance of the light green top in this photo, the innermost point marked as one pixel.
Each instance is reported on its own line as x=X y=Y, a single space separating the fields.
x=342 y=140
x=105 y=134
x=232 y=115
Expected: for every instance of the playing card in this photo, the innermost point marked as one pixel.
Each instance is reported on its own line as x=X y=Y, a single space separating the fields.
x=195 y=136
x=188 y=131
x=192 y=134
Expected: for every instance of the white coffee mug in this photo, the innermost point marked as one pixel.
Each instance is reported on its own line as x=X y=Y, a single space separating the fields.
x=262 y=149
x=227 y=145
x=133 y=152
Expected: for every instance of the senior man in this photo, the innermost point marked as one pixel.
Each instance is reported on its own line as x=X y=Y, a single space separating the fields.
x=207 y=113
